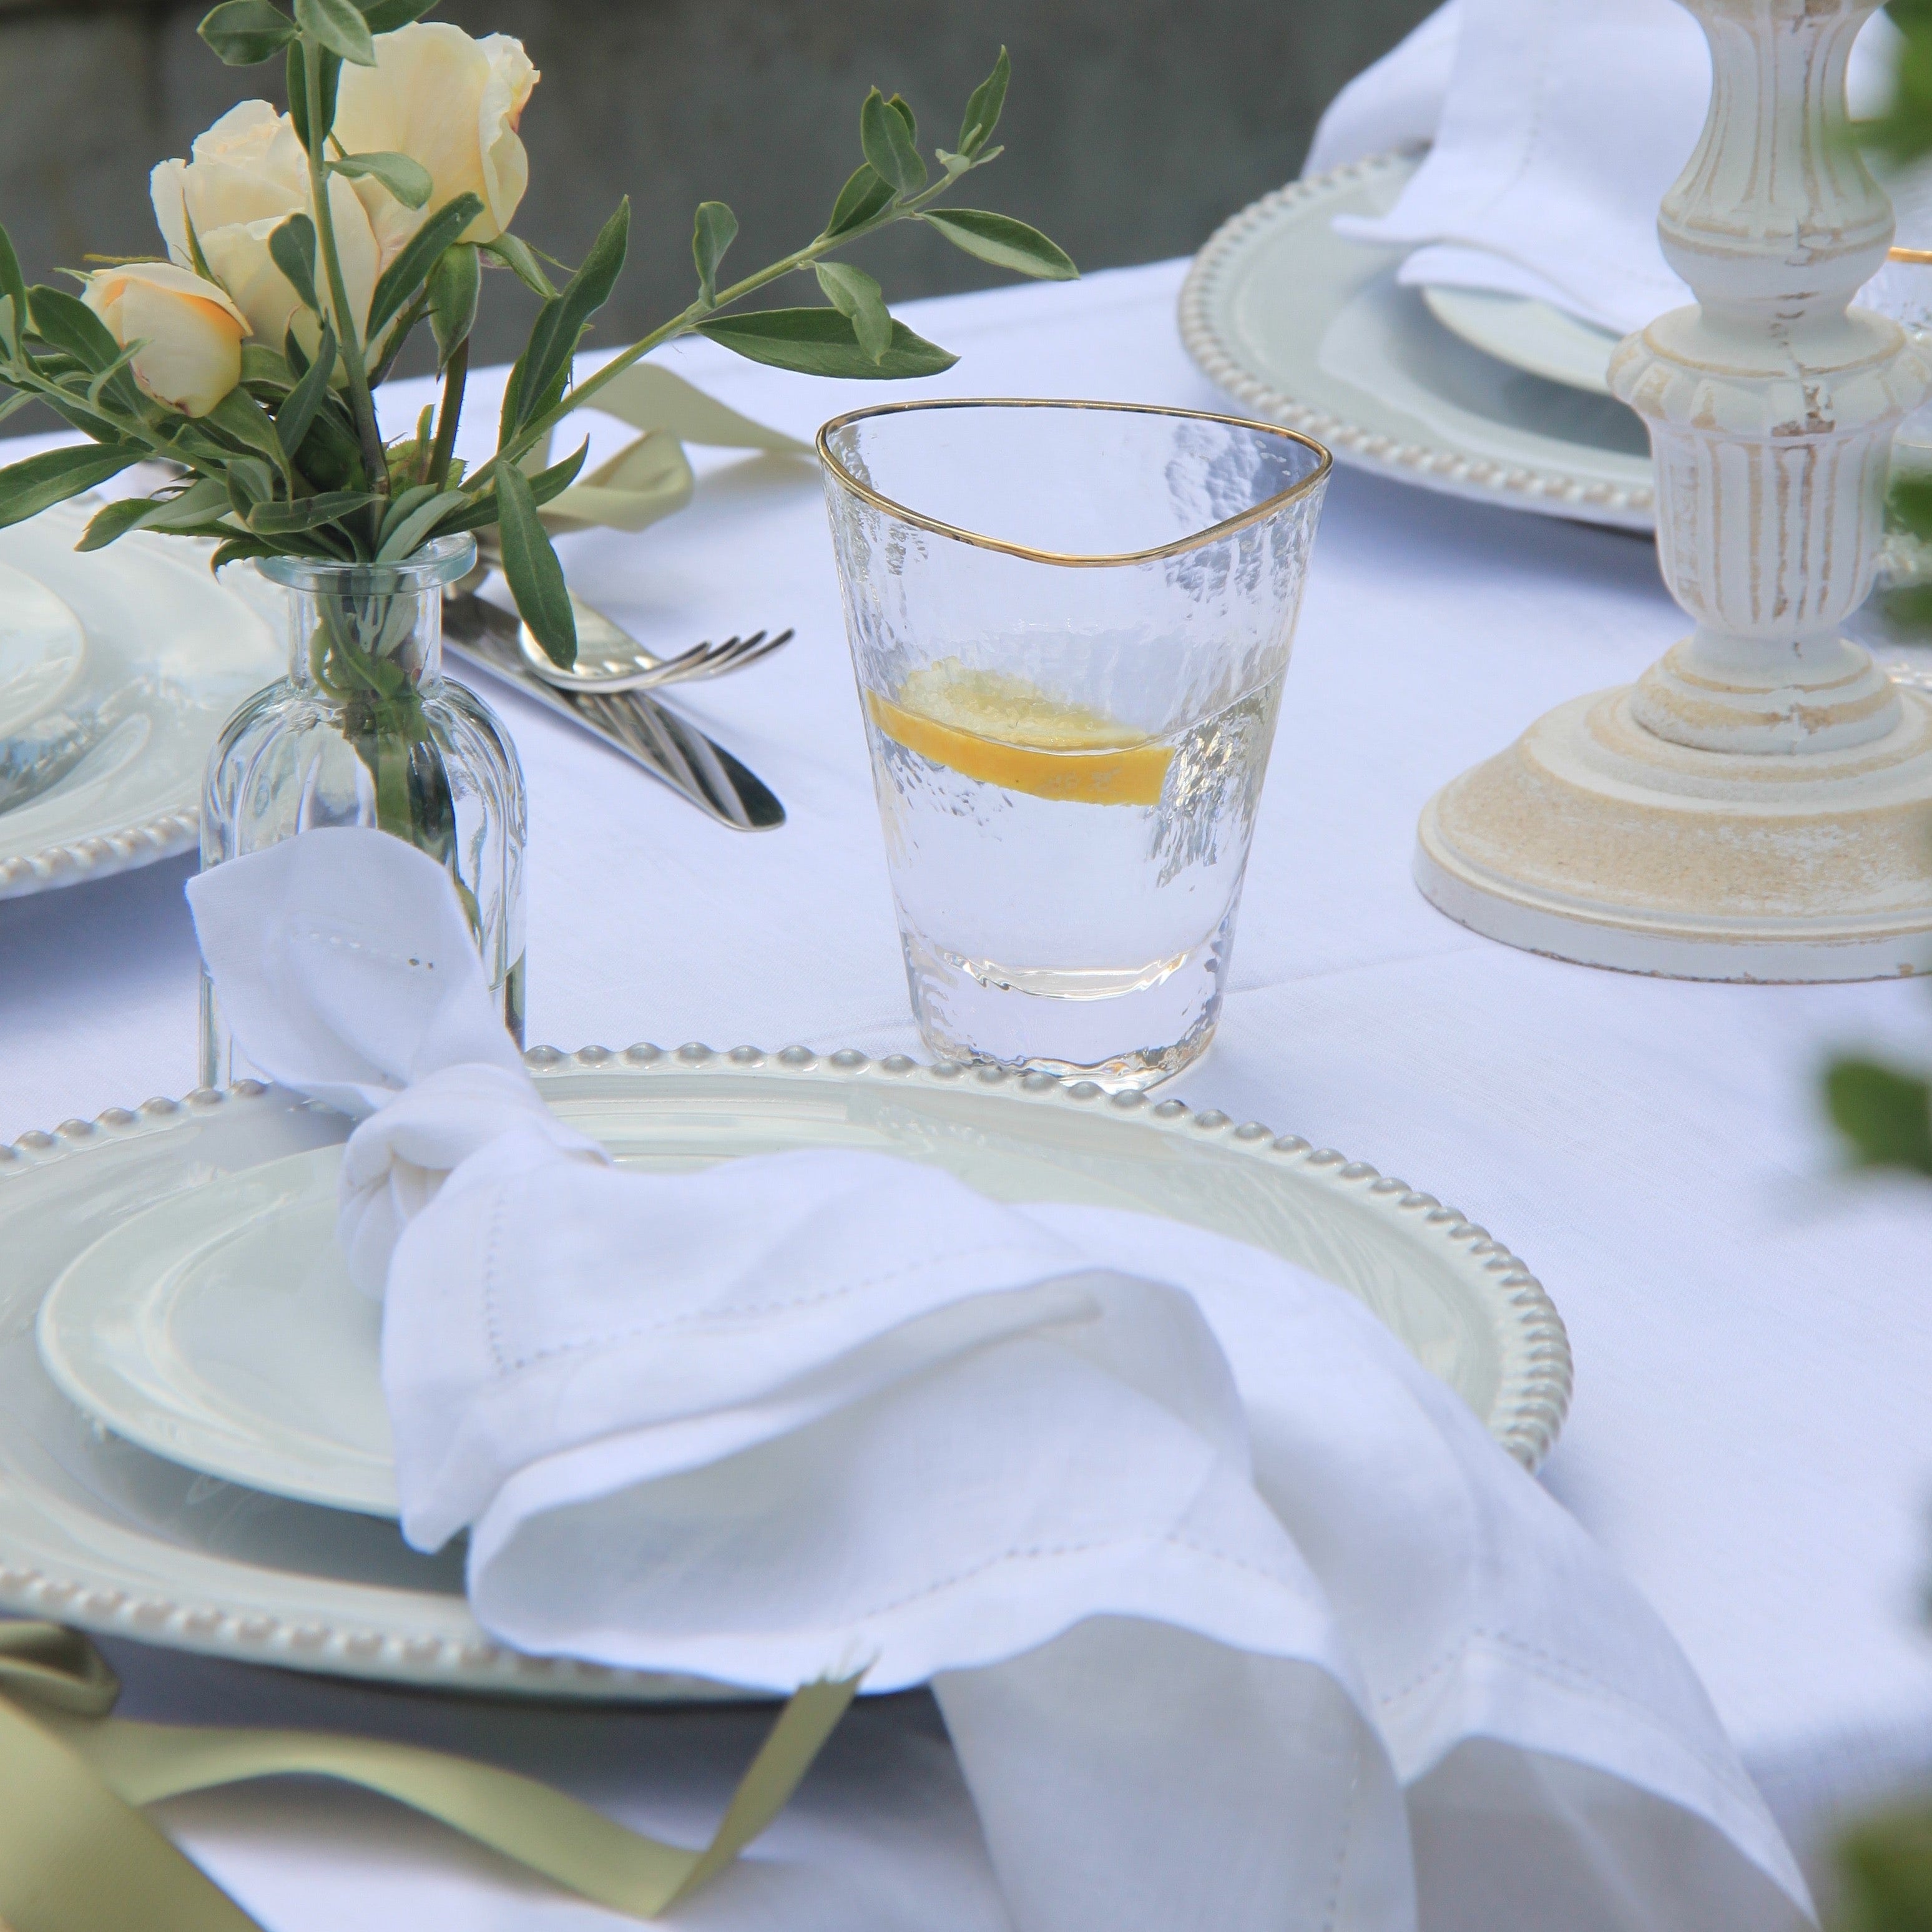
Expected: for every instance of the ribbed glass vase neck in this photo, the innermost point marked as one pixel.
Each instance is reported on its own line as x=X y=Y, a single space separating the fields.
x=360 y=632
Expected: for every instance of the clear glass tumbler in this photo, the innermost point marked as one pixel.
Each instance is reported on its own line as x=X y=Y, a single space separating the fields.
x=1069 y=623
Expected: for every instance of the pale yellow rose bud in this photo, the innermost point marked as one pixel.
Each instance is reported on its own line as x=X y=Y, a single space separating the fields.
x=451 y=103
x=248 y=175
x=190 y=333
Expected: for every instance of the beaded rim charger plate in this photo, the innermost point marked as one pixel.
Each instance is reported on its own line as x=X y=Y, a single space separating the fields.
x=1313 y=332
x=98 y=1531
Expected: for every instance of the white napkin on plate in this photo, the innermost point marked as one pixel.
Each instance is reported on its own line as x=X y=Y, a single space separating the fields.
x=1557 y=125
x=1237 y=1617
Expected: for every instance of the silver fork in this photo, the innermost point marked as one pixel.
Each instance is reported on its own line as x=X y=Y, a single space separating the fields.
x=608 y=662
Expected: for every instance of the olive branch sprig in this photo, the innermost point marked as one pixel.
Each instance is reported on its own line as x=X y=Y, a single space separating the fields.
x=292 y=461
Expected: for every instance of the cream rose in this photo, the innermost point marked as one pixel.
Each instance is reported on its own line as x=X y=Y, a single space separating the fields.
x=248 y=175
x=451 y=103
x=189 y=332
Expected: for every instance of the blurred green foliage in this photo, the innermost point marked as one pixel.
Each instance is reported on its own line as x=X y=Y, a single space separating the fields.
x=1884 y=1869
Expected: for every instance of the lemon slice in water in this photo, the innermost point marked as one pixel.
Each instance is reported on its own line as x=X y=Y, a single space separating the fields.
x=1002 y=730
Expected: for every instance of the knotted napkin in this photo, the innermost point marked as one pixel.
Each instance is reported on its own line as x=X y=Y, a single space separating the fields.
x=1237 y=1617
x=1555 y=126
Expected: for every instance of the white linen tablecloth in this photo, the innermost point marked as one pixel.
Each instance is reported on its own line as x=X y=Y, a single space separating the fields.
x=1751 y=1438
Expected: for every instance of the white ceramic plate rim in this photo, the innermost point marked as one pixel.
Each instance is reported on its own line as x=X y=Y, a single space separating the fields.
x=388 y=1633
x=1529 y=485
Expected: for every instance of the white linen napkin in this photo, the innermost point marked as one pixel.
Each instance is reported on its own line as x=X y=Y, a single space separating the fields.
x=1557 y=125
x=1237 y=1617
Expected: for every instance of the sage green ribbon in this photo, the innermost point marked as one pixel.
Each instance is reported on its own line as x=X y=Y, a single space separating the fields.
x=76 y=1855
x=651 y=478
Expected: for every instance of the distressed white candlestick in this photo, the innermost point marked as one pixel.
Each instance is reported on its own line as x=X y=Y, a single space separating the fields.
x=1758 y=804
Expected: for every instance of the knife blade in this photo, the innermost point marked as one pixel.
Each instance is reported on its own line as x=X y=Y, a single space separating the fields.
x=669 y=747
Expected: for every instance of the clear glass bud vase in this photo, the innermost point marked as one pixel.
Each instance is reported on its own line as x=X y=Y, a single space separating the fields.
x=366 y=731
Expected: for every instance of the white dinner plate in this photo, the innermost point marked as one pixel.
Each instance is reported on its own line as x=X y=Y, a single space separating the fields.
x=169 y=653
x=1528 y=335
x=1305 y=329
x=41 y=649
x=98 y=1531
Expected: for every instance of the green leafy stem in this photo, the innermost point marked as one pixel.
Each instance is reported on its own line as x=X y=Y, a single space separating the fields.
x=291 y=462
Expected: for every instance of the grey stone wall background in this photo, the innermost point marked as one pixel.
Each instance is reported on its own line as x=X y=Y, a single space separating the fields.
x=1133 y=127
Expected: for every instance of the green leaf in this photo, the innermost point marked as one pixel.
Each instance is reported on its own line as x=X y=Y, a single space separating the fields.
x=712 y=232
x=296 y=416
x=29 y=487
x=408 y=180
x=250 y=482
x=307 y=513
x=236 y=548
x=9 y=329
x=264 y=367
x=862 y=197
x=1006 y=243
x=399 y=335
x=116 y=520
x=822 y=342
x=103 y=429
x=65 y=322
x=385 y=17
x=517 y=255
x=898 y=106
x=410 y=269
x=338 y=25
x=293 y=248
x=545 y=362
x=888 y=146
x=854 y=293
x=455 y=284
x=203 y=502
x=983 y=111
x=197 y=260
x=331 y=73
x=399 y=507
x=407 y=537
x=331 y=454
x=536 y=576
x=245 y=33
x=96 y=387
x=545 y=485
x=1886 y=1115
x=238 y=415
x=11 y=282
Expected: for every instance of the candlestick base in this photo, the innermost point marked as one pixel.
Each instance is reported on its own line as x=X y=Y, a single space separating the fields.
x=1593 y=839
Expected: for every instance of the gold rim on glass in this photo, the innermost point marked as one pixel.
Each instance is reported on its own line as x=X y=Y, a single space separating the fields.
x=1260 y=513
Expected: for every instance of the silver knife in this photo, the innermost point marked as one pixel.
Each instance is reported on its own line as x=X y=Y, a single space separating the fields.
x=668 y=746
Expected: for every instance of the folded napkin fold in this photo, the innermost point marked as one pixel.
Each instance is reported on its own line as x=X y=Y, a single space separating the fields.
x=1555 y=126
x=1237 y=1617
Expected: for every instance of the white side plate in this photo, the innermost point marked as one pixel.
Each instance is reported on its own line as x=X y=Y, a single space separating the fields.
x=169 y=655
x=1304 y=329
x=220 y=1329
x=41 y=649
x=98 y=1531
x=1528 y=334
